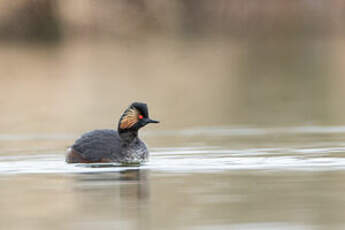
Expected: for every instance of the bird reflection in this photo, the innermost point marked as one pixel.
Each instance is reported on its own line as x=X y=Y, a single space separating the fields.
x=142 y=187
x=129 y=183
x=122 y=195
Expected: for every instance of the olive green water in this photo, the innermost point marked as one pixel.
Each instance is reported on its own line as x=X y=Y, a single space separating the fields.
x=252 y=134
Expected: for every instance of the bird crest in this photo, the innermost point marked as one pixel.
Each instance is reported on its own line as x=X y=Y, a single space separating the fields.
x=129 y=118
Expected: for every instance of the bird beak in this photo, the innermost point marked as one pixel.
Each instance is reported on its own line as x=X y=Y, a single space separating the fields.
x=152 y=121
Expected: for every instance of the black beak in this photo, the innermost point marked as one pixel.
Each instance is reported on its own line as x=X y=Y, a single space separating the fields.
x=152 y=121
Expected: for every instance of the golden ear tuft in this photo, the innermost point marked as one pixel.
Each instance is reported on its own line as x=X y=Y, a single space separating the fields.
x=129 y=119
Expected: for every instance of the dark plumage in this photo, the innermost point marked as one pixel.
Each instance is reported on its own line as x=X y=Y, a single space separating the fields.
x=108 y=145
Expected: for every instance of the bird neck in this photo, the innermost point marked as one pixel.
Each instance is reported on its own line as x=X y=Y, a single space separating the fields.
x=128 y=136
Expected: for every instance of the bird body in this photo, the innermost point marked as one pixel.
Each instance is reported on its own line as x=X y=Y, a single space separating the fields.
x=107 y=145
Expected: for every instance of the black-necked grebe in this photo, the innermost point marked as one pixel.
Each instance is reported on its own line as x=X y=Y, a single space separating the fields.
x=109 y=145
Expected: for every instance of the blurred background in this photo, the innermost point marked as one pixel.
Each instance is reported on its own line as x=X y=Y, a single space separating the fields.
x=250 y=95
x=68 y=66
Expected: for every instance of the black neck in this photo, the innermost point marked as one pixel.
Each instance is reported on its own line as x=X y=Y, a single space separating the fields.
x=128 y=135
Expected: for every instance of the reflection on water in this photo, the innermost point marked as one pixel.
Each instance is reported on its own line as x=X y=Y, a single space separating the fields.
x=121 y=196
x=240 y=177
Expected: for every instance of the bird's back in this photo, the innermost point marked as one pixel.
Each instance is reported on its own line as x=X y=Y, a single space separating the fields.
x=98 y=146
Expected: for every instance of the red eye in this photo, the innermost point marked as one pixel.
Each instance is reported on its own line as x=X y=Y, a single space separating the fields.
x=141 y=117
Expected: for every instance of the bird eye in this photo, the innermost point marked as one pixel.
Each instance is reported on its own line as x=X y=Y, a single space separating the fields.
x=140 y=117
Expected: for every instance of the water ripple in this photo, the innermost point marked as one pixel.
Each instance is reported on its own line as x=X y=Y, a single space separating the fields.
x=189 y=160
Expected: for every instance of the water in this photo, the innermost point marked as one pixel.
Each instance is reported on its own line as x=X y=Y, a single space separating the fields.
x=251 y=137
x=232 y=178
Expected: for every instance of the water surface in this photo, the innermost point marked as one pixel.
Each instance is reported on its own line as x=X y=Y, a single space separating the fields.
x=220 y=178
